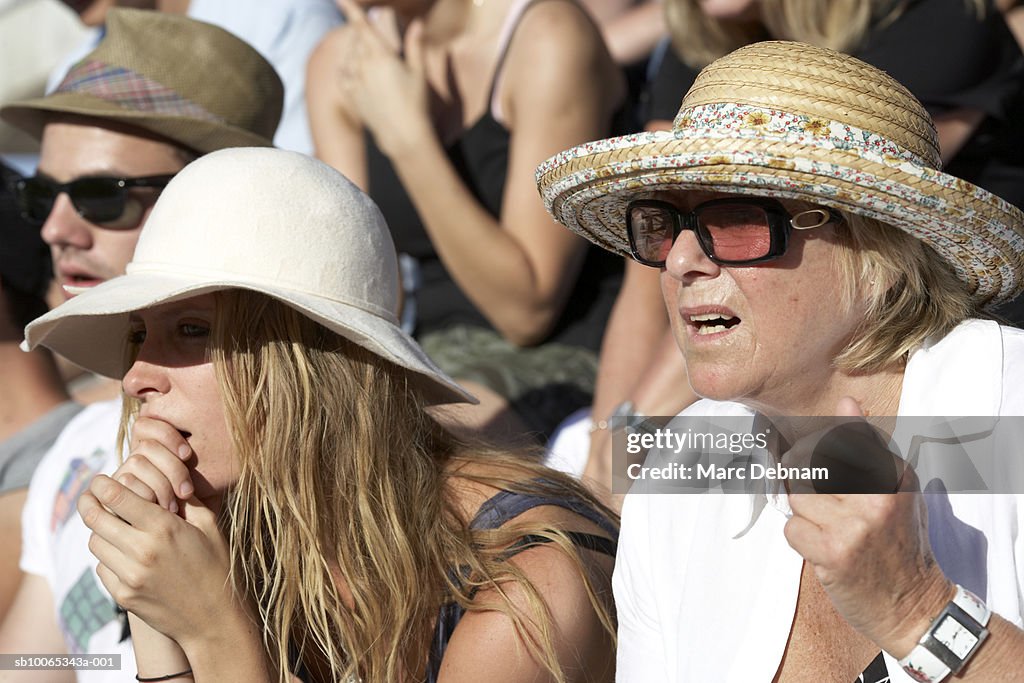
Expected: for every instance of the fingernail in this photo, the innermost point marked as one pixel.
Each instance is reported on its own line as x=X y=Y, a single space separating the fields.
x=173 y=507
x=186 y=490
x=184 y=451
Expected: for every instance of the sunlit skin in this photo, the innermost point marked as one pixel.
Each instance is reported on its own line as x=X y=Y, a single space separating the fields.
x=94 y=12
x=175 y=380
x=746 y=10
x=86 y=254
x=792 y=322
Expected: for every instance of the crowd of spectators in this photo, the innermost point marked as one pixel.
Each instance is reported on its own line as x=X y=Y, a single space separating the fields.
x=462 y=447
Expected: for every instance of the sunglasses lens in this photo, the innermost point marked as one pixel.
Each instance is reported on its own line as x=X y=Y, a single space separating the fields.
x=651 y=228
x=35 y=198
x=735 y=232
x=100 y=200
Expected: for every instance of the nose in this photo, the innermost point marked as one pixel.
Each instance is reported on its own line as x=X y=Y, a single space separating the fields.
x=687 y=261
x=64 y=227
x=145 y=379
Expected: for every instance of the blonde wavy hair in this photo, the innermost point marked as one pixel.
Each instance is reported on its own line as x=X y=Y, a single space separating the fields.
x=909 y=293
x=344 y=475
x=837 y=24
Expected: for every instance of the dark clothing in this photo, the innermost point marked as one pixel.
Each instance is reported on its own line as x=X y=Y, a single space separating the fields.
x=439 y=307
x=480 y=157
x=494 y=513
x=950 y=59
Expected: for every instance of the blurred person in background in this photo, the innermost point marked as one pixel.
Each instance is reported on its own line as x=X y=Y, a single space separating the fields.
x=440 y=111
x=34 y=36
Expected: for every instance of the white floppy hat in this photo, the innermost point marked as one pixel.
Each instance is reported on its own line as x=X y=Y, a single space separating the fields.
x=793 y=120
x=260 y=219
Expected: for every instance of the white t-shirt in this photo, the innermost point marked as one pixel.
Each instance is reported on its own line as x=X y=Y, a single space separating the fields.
x=699 y=599
x=55 y=541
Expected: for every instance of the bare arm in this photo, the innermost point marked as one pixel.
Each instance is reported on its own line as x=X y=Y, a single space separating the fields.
x=635 y=329
x=955 y=128
x=337 y=135
x=11 y=504
x=31 y=628
x=662 y=390
x=632 y=35
x=637 y=324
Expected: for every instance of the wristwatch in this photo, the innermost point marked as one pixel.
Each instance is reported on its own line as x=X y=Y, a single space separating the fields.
x=951 y=640
x=623 y=416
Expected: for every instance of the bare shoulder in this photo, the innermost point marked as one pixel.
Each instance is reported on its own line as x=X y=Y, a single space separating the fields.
x=558 y=600
x=334 y=41
x=570 y=591
x=557 y=57
x=557 y=35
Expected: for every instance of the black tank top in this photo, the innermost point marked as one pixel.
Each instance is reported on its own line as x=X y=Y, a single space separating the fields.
x=480 y=157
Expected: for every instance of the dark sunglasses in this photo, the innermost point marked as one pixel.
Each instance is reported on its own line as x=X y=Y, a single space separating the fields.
x=731 y=231
x=99 y=199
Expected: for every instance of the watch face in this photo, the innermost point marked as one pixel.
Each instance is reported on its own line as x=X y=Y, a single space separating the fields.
x=955 y=637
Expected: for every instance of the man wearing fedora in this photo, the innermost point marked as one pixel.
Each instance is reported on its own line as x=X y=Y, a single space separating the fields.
x=122 y=123
x=283 y=31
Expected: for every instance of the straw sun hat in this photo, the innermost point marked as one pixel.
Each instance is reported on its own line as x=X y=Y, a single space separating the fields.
x=260 y=219
x=188 y=81
x=791 y=120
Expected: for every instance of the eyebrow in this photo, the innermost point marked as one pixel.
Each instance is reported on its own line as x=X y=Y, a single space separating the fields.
x=173 y=313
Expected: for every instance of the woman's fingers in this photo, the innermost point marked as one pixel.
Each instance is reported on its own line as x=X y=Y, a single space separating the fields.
x=122 y=503
x=157 y=463
x=354 y=14
x=164 y=433
x=414 y=46
x=159 y=469
x=98 y=518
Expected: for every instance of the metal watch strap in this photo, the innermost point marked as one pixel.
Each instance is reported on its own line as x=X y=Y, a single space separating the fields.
x=623 y=415
x=933 y=658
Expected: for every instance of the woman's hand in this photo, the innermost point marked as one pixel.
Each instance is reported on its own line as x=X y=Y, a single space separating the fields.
x=171 y=571
x=872 y=555
x=388 y=94
x=155 y=470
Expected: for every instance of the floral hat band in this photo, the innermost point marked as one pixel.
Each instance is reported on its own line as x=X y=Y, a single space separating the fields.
x=792 y=120
x=755 y=122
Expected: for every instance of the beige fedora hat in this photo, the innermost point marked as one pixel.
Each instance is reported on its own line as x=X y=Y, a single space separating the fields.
x=266 y=220
x=186 y=80
x=792 y=120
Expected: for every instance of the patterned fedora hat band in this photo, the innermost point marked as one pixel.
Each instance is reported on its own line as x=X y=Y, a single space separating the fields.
x=727 y=119
x=131 y=90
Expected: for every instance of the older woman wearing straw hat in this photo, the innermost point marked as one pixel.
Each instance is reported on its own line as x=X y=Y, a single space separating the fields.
x=271 y=393
x=815 y=262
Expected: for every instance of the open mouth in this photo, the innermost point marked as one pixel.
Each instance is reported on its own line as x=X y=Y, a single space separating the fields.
x=185 y=435
x=712 y=323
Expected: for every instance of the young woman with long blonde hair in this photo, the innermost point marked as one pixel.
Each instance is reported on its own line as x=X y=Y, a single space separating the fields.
x=289 y=506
